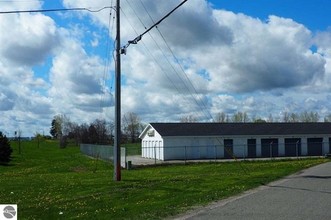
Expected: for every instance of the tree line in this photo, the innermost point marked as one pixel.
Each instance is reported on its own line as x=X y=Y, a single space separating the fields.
x=99 y=131
x=239 y=116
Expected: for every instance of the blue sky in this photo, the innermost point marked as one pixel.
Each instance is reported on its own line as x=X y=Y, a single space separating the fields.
x=312 y=14
x=263 y=57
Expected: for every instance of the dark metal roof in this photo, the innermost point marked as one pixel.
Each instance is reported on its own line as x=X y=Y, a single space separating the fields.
x=215 y=129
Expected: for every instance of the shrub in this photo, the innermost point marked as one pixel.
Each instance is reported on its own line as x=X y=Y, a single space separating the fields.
x=5 y=150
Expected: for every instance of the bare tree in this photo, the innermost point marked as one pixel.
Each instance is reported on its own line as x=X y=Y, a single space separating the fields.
x=84 y=133
x=221 y=117
x=309 y=116
x=188 y=119
x=97 y=132
x=327 y=118
x=131 y=125
x=74 y=132
x=101 y=129
x=93 y=134
x=286 y=117
x=240 y=117
x=270 y=118
x=294 y=117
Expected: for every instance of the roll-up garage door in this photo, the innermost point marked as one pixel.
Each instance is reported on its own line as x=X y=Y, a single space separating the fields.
x=315 y=146
x=292 y=147
x=228 y=148
x=251 y=148
x=269 y=147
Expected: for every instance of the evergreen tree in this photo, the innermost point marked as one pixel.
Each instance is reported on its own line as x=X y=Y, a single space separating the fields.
x=5 y=150
x=56 y=128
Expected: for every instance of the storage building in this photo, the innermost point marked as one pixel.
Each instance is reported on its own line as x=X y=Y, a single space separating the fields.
x=178 y=141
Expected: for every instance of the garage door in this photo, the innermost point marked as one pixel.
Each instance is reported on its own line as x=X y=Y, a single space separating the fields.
x=292 y=147
x=251 y=148
x=315 y=146
x=269 y=147
x=228 y=148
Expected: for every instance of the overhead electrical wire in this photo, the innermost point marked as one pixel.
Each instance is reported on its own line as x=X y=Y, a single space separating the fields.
x=186 y=80
x=55 y=10
x=134 y=11
x=107 y=63
x=107 y=60
x=139 y=37
x=166 y=58
x=134 y=41
x=154 y=58
x=207 y=113
x=21 y=1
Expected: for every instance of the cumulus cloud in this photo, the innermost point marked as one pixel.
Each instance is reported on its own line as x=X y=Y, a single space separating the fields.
x=221 y=52
x=77 y=79
x=323 y=42
x=200 y=61
x=194 y=26
x=35 y=36
x=265 y=55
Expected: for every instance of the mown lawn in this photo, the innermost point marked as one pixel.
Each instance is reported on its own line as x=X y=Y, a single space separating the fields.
x=132 y=148
x=53 y=183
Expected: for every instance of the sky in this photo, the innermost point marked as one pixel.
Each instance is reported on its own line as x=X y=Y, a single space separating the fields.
x=263 y=57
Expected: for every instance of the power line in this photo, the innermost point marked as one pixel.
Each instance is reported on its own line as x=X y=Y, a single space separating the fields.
x=147 y=11
x=187 y=83
x=138 y=38
x=107 y=61
x=21 y=1
x=204 y=108
x=154 y=58
x=185 y=80
x=134 y=11
x=55 y=10
x=163 y=53
x=168 y=61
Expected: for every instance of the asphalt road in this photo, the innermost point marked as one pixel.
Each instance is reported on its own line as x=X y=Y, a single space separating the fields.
x=306 y=195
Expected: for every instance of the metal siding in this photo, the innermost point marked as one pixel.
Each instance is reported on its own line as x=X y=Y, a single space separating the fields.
x=251 y=148
x=265 y=147
x=292 y=147
x=315 y=146
x=209 y=147
x=228 y=148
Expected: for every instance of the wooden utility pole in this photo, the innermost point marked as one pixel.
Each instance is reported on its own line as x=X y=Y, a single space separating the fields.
x=119 y=51
x=117 y=137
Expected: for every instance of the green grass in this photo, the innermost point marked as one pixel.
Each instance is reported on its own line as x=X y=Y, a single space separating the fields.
x=132 y=148
x=47 y=181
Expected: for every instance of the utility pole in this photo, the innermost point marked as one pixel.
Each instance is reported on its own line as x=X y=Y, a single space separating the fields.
x=119 y=51
x=117 y=137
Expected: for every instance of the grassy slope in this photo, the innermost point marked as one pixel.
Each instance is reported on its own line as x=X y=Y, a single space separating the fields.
x=46 y=181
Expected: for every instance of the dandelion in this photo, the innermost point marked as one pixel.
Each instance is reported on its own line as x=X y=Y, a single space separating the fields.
x=11 y=192
x=60 y=213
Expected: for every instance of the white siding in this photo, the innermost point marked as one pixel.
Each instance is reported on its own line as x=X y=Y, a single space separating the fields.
x=281 y=146
x=325 y=149
x=152 y=145
x=172 y=148
x=304 y=146
x=258 y=147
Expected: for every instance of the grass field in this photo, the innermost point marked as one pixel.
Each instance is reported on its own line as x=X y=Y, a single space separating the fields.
x=53 y=183
x=132 y=148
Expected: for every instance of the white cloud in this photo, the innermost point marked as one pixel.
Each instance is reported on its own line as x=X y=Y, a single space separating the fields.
x=232 y=62
x=221 y=52
x=76 y=79
x=35 y=38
